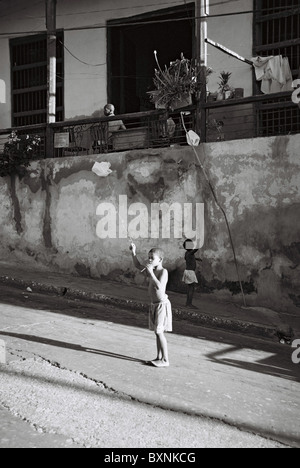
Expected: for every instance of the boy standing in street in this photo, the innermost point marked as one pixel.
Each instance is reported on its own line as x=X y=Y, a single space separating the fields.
x=160 y=314
x=189 y=276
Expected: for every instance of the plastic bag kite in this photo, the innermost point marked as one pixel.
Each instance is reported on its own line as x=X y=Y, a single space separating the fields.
x=102 y=169
x=192 y=138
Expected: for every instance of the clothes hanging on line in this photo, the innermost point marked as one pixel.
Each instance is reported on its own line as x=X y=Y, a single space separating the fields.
x=274 y=72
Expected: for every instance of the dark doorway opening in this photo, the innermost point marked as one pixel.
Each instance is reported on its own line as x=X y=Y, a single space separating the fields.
x=131 y=48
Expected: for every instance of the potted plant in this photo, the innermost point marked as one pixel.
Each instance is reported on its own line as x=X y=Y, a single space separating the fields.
x=175 y=85
x=18 y=152
x=225 y=90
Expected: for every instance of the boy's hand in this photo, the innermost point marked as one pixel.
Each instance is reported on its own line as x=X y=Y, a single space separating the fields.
x=149 y=268
x=133 y=248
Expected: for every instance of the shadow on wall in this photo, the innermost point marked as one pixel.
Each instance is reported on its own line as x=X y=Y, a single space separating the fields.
x=268 y=250
x=268 y=245
x=61 y=212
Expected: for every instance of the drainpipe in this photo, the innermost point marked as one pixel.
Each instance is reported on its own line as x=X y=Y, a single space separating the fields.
x=51 y=73
x=202 y=11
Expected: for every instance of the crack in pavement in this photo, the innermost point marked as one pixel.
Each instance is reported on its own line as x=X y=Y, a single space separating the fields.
x=56 y=400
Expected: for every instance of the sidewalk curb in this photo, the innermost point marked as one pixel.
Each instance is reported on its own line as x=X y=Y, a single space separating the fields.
x=182 y=313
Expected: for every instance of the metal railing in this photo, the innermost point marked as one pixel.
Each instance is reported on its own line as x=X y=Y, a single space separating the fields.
x=154 y=129
x=250 y=117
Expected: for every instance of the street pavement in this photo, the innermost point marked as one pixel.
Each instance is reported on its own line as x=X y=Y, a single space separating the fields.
x=227 y=384
x=227 y=312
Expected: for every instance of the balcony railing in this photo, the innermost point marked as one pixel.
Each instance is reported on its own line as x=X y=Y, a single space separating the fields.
x=250 y=117
x=154 y=129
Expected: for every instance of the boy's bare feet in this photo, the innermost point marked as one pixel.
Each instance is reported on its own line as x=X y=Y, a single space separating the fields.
x=160 y=363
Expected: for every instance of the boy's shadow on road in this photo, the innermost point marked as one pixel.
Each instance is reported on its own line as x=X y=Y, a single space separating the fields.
x=73 y=346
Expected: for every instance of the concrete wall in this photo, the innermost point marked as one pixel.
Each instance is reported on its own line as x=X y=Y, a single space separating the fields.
x=86 y=86
x=49 y=218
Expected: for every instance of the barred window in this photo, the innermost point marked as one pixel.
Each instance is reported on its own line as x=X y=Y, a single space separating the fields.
x=29 y=80
x=277 y=32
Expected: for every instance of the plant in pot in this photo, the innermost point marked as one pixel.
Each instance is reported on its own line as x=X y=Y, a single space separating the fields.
x=176 y=84
x=225 y=90
x=18 y=153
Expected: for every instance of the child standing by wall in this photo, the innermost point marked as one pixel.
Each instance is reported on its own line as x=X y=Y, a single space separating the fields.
x=189 y=276
x=160 y=314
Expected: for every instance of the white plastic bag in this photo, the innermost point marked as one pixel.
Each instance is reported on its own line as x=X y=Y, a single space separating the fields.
x=192 y=138
x=102 y=169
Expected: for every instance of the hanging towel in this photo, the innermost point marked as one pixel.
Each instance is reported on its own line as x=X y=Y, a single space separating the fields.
x=274 y=78
x=274 y=73
x=260 y=64
x=288 y=86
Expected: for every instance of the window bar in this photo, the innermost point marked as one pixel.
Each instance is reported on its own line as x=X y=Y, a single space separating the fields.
x=18 y=55
x=24 y=55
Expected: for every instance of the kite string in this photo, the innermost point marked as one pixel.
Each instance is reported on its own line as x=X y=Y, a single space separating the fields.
x=219 y=205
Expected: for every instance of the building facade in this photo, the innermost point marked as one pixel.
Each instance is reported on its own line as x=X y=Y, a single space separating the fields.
x=105 y=53
x=107 y=61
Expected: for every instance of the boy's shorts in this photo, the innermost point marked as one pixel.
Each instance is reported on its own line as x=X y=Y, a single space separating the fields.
x=189 y=277
x=160 y=317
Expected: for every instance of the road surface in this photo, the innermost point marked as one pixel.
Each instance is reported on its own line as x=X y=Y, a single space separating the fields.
x=77 y=375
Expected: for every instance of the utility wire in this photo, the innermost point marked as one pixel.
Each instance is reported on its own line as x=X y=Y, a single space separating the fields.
x=151 y=22
x=274 y=9
x=105 y=10
x=79 y=60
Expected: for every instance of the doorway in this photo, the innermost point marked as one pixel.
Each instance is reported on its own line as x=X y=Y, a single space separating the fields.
x=131 y=46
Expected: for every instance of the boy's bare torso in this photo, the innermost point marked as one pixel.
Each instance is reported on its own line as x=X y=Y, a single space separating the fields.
x=157 y=294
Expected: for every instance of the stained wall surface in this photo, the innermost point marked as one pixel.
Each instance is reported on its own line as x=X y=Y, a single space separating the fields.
x=63 y=217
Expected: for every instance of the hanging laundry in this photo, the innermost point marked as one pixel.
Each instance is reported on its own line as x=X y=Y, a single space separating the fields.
x=274 y=72
x=288 y=75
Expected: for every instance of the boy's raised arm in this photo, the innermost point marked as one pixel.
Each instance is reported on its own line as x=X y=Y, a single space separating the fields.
x=137 y=264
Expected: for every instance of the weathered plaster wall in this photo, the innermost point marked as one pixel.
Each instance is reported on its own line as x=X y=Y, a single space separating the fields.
x=258 y=183
x=49 y=218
